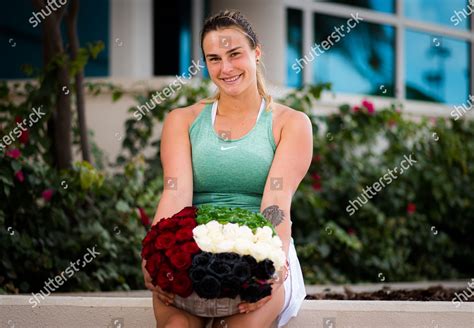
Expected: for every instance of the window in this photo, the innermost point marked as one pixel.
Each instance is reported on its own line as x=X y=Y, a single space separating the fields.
x=387 y=6
x=361 y=59
x=410 y=50
x=294 y=36
x=19 y=39
x=437 y=68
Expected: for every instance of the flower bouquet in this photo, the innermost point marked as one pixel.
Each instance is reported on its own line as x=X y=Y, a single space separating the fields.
x=213 y=258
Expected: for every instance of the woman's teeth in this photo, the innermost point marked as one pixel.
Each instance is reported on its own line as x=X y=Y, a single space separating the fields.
x=232 y=79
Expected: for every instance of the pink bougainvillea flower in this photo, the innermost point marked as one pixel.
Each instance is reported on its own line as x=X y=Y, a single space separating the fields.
x=370 y=106
x=13 y=153
x=356 y=108
x=47 y=194
x=411 y=208
x=143 y=217
x=19 y=176
x=25 y=134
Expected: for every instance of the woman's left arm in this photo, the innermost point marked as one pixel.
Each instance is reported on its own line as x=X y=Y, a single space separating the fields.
x=290 y=164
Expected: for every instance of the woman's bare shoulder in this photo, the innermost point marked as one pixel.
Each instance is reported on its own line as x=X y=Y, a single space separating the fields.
x=188 y=114
x=284 y=114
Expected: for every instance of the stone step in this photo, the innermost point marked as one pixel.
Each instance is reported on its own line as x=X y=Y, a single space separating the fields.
x=123 y=312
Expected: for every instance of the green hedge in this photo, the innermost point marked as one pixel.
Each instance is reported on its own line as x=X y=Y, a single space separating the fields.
x=416 y=228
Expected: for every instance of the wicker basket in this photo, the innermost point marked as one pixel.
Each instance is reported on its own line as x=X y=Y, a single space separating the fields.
x=218 y=307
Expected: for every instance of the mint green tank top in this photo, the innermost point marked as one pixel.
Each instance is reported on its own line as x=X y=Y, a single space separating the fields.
x=230 y=172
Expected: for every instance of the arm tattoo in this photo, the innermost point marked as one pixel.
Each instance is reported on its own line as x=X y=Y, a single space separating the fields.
x=273 y=214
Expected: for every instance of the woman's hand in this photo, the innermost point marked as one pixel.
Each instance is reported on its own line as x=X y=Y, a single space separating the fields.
x=246 y=307
x=166 y=298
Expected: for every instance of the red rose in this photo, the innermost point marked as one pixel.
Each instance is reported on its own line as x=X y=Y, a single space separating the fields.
x=143 y=217
x=188 y=222
x=184 y=234
x=182 y=285
x=153 y=264
x=166 y=224
x=189 y=211
x=165 y=277
x=170 y=252
x=190 y=247
x=181 y=261
x=165 y=240
x=150 y=237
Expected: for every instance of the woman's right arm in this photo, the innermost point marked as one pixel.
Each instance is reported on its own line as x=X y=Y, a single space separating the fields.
x=175 y=149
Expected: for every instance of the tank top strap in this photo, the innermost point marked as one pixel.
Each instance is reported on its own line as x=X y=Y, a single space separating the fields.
x=214 y=110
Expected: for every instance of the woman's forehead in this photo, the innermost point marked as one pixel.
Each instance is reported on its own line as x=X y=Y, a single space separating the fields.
x=224 y=39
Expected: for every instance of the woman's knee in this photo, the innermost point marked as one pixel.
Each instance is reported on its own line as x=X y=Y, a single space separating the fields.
x=177 y=320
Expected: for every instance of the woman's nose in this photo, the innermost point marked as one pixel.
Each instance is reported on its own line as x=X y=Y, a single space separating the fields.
x=226 y=66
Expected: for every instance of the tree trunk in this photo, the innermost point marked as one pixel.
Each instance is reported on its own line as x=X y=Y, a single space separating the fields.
x=79 y=78
x=59 y=125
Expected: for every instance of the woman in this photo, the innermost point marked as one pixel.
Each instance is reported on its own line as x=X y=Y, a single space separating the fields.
x=238 y=149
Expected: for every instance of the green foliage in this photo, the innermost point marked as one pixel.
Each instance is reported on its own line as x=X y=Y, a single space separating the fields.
x=354 y=149
x=240 y=216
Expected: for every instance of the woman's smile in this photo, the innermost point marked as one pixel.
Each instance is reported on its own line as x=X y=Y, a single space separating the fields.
x=232 y=80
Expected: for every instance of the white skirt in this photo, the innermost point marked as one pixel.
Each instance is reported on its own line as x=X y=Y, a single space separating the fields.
x=295 y=291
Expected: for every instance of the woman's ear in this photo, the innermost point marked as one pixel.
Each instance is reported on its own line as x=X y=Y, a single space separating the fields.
x=258 y=52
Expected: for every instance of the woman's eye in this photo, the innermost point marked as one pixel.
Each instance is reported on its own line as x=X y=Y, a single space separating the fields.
x=214 y=59
x=234 y=54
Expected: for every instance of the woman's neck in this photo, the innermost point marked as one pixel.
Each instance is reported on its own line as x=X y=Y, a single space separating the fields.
x=236 y=107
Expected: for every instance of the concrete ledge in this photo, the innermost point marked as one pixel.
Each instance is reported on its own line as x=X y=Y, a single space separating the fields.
x=119 y=312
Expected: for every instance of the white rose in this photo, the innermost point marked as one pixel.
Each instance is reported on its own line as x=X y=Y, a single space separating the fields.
x=246 y=233
x=276 y=242
x=205 y=243
x=278 y=258
x=225 y=246
x=216 y=236
x=231 y=230
x=260 y=251
x=200 y=230
x=214 y=226
x=242 y=246
x=264 y=234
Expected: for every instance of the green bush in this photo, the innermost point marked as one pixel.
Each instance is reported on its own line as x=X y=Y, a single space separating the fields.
x=415 y=228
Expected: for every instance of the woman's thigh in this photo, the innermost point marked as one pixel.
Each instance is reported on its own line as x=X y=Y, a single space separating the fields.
x=170 y=316
x=264 y=317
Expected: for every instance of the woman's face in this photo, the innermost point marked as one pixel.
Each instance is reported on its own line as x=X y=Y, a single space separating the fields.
x=230 y=60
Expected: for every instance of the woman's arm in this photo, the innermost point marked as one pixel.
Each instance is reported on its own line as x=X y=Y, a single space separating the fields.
x=290 y=164
x=175 y=149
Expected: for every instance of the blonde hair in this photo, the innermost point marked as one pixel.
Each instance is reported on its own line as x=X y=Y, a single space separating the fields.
x=234 y=19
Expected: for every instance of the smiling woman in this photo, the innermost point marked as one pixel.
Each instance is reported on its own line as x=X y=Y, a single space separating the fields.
x=237 y=149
